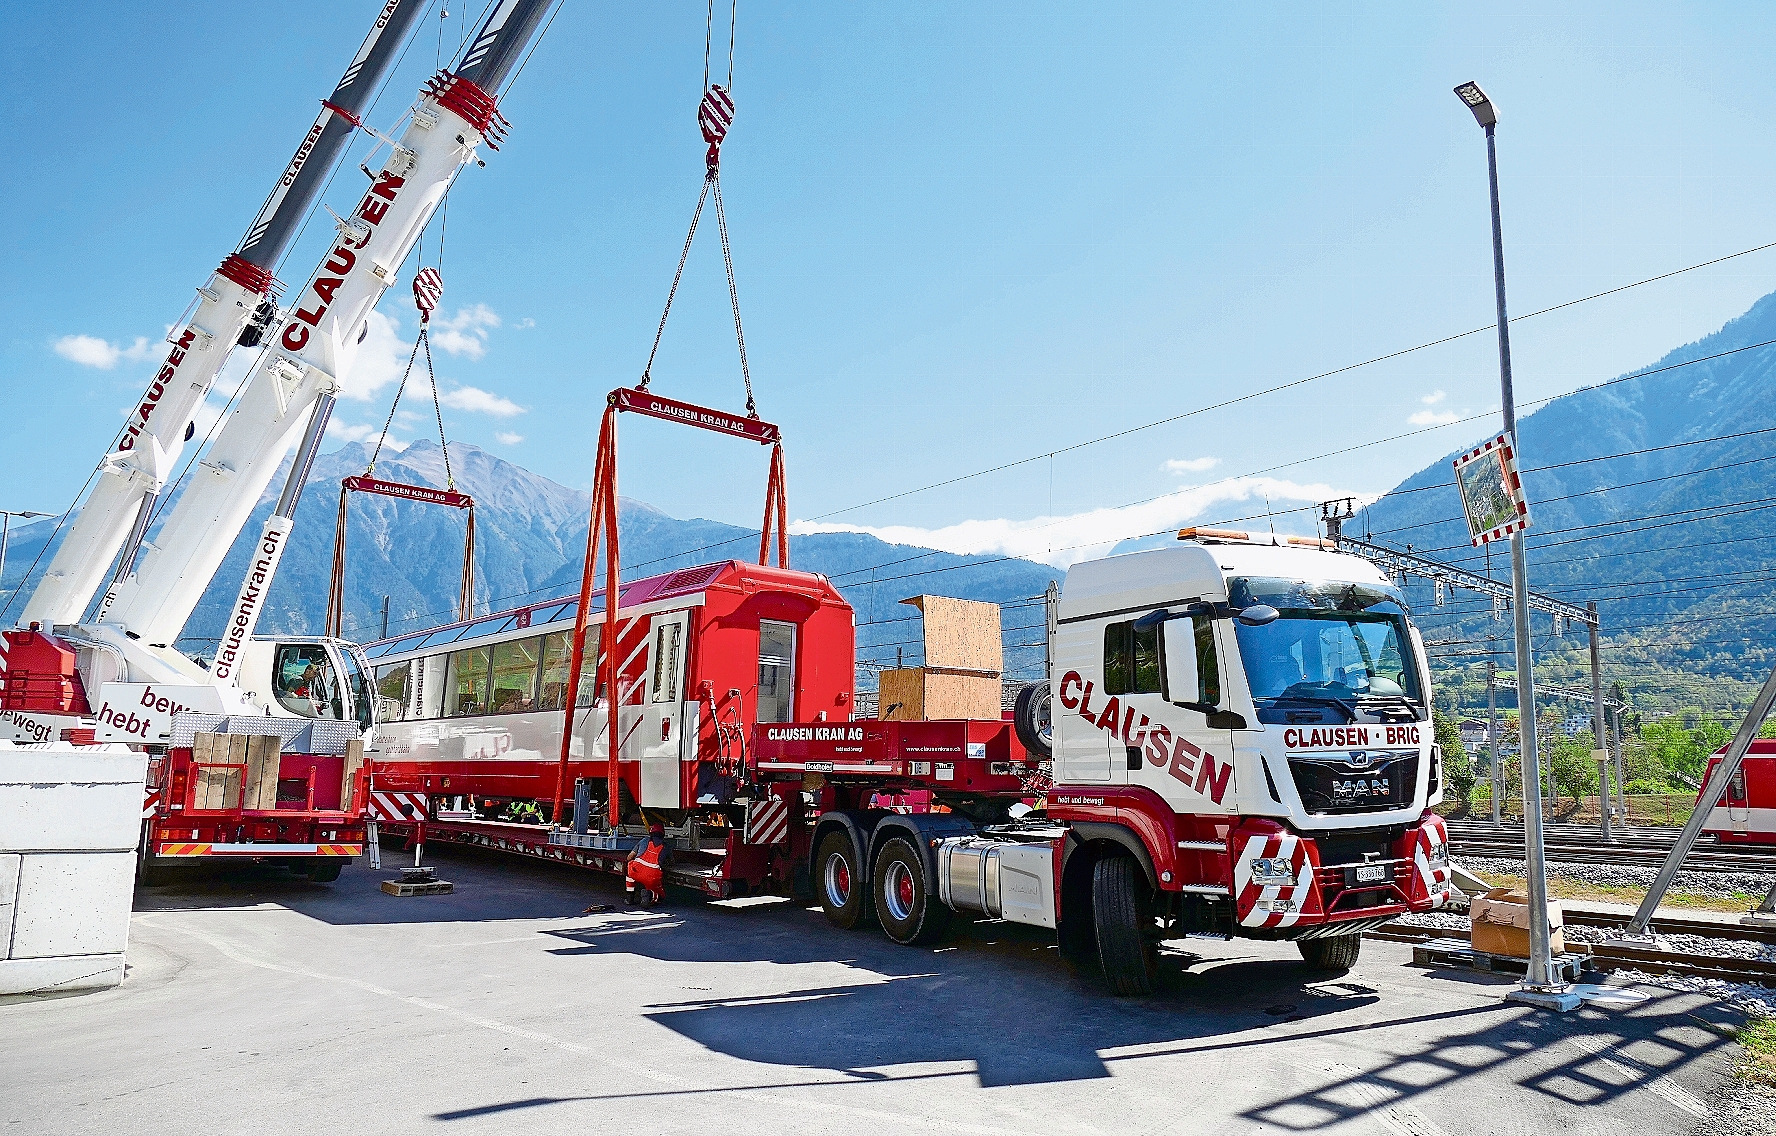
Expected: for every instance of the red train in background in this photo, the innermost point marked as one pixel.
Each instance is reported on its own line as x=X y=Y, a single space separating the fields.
x=1746 y=811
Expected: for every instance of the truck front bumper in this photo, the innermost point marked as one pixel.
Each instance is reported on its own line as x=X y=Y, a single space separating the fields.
x=1283 y=888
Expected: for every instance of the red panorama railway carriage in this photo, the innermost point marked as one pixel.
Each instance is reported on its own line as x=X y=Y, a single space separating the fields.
x=1238 y=741
x=1746 y=811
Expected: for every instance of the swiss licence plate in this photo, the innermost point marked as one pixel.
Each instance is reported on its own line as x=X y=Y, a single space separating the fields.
x=1372 y=873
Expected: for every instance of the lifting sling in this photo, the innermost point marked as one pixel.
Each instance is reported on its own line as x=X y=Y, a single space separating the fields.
x=715 y=113
x=428 y=287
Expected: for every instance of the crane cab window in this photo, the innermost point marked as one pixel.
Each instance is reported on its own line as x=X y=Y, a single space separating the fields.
x=776 y=682
x=359 y=686
x=305 y=683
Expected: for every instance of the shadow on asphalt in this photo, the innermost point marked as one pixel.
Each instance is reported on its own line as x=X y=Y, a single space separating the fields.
x=998 y=995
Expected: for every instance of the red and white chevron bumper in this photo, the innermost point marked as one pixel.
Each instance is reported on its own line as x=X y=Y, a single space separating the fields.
x=398 y=807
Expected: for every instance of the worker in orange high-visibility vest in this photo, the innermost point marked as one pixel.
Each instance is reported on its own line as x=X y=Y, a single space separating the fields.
x=647 y=868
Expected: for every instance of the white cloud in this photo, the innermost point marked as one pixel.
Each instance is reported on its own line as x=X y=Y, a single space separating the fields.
x=341 y=432
x=507 y=438
x=466 y=332
x=1433 y=418
x=382 y=357
x=91 y=351
x=1066 y=540
x=478 y=401
x=525 y=324
x=1191 y=465
x=1434 y=398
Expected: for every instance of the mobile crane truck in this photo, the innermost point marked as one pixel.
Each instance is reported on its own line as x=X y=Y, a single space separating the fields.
x=303 y=801
x=1238 y=738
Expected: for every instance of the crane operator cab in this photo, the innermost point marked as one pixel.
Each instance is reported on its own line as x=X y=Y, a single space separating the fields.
x=309 y=678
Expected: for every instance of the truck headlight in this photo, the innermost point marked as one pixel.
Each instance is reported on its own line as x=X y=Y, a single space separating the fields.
x=1271 y=869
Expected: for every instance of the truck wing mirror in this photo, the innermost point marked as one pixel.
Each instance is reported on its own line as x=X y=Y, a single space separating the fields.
x=1257 y=615
x=1178 y=680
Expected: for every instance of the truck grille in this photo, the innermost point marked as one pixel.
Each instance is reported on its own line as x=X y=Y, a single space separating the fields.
x=1335 y=785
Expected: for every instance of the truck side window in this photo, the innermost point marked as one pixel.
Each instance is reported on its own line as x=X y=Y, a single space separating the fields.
x=1208 y=669
x=1131 y=659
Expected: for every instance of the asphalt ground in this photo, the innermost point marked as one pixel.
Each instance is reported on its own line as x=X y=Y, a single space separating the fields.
x=257 y=1002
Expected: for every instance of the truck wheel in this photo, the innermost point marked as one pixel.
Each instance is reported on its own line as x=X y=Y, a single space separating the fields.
x=1334 y=952
x=1121 y=916
x=1030 y=717
x=325 y=871
x=839 y=879
x=909 y=913
x=148 y=874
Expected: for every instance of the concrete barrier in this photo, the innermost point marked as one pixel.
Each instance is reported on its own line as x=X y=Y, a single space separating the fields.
x=70 y=817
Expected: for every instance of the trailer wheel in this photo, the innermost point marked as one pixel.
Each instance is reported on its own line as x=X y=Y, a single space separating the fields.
x=325 y=871
x=1031 y=718
x=1121 y=913
x=1333 y=952
x=843 y=895
x=909 y=913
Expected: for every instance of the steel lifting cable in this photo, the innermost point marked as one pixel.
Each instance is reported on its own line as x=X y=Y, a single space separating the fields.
x=428 y=288
x=715 y=113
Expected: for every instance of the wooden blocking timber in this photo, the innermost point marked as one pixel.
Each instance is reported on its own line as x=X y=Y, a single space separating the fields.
x=354 y=761
x=215 y=785
x=263 y=758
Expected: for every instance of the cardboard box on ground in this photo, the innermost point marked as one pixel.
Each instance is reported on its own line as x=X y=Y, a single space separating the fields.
x=1500 y=920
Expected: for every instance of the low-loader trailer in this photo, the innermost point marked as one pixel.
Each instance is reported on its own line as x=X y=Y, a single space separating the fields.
x=1234 y=739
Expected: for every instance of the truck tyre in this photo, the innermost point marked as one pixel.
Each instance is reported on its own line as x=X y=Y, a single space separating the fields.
x=325 y=871
x=1030 y=716
x=1333 y=952
x=838 y=878
x=147 y=873
x=1120 y=912
x=908 y=912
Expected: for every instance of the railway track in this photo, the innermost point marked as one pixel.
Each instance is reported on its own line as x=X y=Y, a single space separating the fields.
x=1583 y=844
x=1623 y=956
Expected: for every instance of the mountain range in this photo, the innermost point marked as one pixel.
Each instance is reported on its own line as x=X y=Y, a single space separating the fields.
x=1653 y=494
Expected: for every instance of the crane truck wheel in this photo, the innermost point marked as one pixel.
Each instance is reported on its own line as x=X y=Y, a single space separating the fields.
x=839 y=878
x=1120 y=913
x=1030 y=716
x=1334 y=952
x=909 y=913
x=324 y=871
x=147 y=874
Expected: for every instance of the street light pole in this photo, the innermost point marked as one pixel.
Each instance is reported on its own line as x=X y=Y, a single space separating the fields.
x=1539 y=987
x=6 y=516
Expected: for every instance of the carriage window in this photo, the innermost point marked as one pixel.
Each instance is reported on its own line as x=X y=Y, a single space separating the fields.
x=304 y=681
x=776 y=683
x=465 y=684
x=515 y=675
x=556 y=658
x=666 y=662
x=391 y=686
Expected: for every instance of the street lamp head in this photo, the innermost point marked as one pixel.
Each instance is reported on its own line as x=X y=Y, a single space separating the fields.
x=1475 y=99
x=25 y=515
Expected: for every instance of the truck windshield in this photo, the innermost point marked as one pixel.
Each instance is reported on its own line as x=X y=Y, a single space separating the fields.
x=1334 y=642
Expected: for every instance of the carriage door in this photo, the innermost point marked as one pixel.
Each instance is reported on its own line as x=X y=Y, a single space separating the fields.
x=662 y=732
x=1738 y=801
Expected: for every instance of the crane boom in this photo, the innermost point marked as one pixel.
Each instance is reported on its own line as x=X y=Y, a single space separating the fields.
x=292 y=386
x=230 y=309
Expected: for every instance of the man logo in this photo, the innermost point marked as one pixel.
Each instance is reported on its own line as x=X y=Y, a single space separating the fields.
x=1359 y=759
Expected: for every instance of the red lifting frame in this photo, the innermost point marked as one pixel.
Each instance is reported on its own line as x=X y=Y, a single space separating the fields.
x=604 y=523
x=368 y=484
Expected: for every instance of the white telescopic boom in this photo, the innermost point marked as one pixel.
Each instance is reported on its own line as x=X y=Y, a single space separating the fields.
x=318 y=344
x=136 y=471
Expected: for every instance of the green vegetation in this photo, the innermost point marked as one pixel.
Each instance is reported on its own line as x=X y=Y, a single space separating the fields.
x=1758 y=1036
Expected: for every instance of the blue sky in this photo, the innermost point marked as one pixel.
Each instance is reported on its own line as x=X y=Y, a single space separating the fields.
x=964 y=234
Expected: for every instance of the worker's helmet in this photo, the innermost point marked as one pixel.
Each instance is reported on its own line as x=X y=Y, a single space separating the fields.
x=656 y=829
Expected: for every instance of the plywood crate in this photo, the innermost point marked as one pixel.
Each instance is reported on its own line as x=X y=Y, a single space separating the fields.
x=963 y=660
